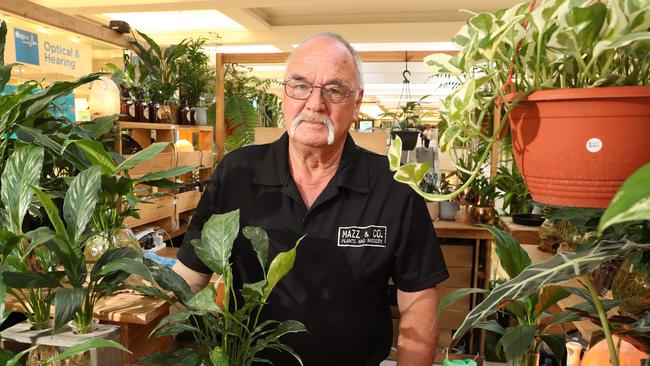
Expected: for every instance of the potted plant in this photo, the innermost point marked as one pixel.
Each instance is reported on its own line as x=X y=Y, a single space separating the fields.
x=131 y=81
x=607 y=244
x=404 y=122
x=64 y=287
x=224 y=323
x=561 y=57
x=162 y=66
x=196 y=78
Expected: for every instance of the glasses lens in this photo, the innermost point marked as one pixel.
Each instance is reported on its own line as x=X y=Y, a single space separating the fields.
x=335 y=93
x=298 y=89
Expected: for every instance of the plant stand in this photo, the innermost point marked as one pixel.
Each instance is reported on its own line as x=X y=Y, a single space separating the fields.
x=21 y=333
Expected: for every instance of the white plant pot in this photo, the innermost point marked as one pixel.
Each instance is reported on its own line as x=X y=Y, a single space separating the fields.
x=200 y=116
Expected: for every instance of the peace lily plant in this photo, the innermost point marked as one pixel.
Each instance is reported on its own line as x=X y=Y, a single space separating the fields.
x=557 y=44
x=225 y=321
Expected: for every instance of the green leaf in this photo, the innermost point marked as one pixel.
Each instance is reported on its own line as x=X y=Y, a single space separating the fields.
x=628 y=39
x=173 y=329
x=457 y=295
x=141 y=156
x=260 y=242
x=559 y=268
x=111 y=255
x=557 y=344
x=37 y=137
x=280 y=266
x=67 y=302
x=169 y=280
x=3 y=294
x=88 y=345
x=164 y=174
x=204 y=300
x=253 y=292
x=512 y=256
x=219 y=357
x=80 y=201
x=41 y=100
x=517 y=340
x=22 y=280
x=395 y=154
x=183 y=356
x=490 y=325
x=8 y=241
x=22 y=172
x=15 y=361
x=564 y=317
x=631 y=202
x=100 y=126
x=642 y=325
x=95 y=153
x=217 y=238
x=180 y=316
x=286 y=327
x=38 y=237
x=52 y=213
x=550 y=295
x=128 y=265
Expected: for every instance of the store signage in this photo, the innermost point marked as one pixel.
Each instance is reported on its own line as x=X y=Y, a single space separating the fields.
x=51 y=53
x=26 y=46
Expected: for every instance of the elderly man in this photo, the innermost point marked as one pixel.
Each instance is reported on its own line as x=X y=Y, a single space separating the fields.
x=362 y=228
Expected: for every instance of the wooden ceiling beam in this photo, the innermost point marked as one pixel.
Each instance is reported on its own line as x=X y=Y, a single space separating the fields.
x=368 y=56
x=31 y=11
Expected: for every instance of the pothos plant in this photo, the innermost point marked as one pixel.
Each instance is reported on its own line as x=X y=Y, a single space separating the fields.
x=558 y=44
x=225 y=321
x=629 y=204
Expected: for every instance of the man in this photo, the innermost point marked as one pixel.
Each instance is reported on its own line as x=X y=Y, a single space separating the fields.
x=361 y=227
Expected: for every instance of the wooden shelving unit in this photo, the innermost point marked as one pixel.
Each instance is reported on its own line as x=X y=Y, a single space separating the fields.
x=172 y=212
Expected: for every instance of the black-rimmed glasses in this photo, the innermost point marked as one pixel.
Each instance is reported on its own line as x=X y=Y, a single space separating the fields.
x=301 y=90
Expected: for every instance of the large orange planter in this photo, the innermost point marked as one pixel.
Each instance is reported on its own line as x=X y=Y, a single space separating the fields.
x=575 y=147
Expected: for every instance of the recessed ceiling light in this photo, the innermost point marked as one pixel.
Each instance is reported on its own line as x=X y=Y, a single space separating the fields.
x=45 y=30
x=172 y=21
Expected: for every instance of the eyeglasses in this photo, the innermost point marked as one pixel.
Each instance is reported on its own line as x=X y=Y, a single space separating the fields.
x=301 y=90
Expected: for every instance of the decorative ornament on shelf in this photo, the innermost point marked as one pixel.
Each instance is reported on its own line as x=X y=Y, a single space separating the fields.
x=104 y=99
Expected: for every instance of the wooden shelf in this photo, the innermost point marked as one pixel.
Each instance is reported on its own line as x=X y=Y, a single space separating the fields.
x=453 y=229
x=162 y=126
x=524 y=234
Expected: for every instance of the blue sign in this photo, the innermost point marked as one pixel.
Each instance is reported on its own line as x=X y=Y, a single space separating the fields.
x=26 y=46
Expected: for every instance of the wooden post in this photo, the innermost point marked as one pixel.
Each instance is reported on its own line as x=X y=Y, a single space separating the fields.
x=220 y=136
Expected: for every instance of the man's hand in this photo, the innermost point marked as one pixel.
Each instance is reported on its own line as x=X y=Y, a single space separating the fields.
x=196 y=280
x=418 y=338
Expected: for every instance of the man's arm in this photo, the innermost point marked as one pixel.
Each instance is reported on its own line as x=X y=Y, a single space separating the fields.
x=418 y=338
x=196 y=280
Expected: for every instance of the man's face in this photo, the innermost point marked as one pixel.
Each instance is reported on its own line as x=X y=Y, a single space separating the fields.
x=321 y=62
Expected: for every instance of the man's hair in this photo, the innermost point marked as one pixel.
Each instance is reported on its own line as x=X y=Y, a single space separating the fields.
x=337 y=37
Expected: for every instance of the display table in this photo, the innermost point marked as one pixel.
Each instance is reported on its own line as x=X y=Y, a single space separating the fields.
x=136 y=315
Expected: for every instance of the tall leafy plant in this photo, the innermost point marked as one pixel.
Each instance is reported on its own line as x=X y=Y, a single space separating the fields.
x=226 y=324
x=558 y=44
x=162 y=65
x=195 y=75
x=629 y=204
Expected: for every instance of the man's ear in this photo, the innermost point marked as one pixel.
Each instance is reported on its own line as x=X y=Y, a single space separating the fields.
x=357 y=104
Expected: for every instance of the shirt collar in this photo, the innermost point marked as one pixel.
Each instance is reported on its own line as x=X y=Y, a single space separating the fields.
x=273 y=168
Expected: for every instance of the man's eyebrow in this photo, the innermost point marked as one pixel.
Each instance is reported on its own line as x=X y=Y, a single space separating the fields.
x=297 y=77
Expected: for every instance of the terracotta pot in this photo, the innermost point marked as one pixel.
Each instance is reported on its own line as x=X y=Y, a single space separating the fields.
x=464 y=215
x=434 y=210
x=598 y=355
x=575 y=147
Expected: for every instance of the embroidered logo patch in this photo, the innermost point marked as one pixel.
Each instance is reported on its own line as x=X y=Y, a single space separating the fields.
x=362 y=236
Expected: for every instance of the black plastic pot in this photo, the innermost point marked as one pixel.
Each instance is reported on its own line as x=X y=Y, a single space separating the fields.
x=409 y=138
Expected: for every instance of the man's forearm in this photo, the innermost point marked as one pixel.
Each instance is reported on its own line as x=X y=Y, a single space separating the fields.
x=418 y=338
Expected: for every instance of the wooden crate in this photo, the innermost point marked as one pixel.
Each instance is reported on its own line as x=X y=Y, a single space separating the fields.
x=458 y=255
x=189 y=158
x=153 y=210
x=207 y=159
x=162 y=161
x=188 y=200
x=21 y=334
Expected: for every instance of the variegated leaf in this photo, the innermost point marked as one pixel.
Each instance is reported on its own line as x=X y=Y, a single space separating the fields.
x=561 y=267
x=22 y=172
x=80 y=201
x=631 y=202
x=217 y=238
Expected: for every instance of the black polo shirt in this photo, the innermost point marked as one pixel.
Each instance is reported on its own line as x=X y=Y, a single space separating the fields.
x=363 y=229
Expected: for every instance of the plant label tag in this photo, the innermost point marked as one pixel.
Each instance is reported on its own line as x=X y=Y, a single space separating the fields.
x=362 y=236
x=594 y=145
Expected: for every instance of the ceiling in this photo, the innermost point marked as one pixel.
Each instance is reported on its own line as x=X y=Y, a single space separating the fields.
x=280 y=24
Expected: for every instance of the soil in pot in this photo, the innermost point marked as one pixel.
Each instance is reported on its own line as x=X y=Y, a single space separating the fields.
x=43 y=353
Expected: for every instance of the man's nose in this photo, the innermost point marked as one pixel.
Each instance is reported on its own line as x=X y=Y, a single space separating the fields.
x=315 y=102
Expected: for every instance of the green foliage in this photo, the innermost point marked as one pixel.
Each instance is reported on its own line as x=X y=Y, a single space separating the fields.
x=408 y=116
x=516 y=198
x=161 y=65
x=196 y=76
x=247 y=104
x=631 y=202
x=227 y=333
x=567 y=44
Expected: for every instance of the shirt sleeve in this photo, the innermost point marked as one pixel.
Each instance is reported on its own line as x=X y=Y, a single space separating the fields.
x=206 y=207
x=419 y=263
